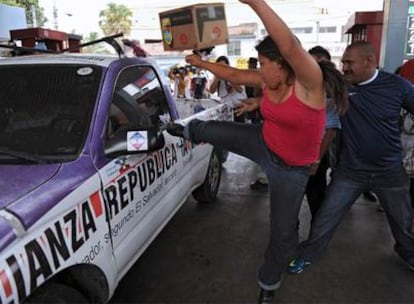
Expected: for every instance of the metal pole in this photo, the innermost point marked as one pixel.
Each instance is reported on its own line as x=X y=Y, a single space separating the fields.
x=34 y=19
x=394 y=34
x=317 y=32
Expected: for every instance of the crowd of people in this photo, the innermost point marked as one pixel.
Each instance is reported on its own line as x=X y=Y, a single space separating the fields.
x=312 y=116
x=189 y=82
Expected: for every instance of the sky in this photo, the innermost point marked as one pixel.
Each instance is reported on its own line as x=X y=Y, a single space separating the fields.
x=82 y=16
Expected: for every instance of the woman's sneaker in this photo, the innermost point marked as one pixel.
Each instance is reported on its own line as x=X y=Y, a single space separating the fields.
x=175 y=129
x=298 y=265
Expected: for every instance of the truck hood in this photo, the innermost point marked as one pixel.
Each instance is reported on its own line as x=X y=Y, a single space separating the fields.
x=16 y=181
x=30 y=191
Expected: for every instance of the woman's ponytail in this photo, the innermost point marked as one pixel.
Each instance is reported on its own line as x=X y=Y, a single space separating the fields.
x=335 y=85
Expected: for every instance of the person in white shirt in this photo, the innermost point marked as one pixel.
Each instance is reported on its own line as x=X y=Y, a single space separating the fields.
x=229 y=93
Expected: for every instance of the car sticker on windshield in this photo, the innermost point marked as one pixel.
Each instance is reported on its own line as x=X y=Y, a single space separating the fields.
x=137 y=140
x=85 y=71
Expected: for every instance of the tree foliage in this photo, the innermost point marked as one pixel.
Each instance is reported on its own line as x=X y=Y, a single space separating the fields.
x=9 y=2
x=116 y=18
x=27 y=5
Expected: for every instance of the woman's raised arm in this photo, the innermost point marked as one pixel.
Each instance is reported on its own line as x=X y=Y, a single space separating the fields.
x=236 y=76
x=306 y=69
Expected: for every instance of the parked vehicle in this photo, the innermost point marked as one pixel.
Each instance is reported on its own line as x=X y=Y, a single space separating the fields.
x=88 y=175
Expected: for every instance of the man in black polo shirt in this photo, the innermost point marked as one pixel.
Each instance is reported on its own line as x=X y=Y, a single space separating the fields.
x=370 y=158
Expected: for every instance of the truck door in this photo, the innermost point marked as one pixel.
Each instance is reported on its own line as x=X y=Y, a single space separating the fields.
x=142 y=191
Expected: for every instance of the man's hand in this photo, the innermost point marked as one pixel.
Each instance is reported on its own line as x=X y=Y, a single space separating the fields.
x=313 y=168
x=247 y=105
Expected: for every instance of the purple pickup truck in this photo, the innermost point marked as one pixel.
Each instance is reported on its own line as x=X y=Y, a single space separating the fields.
x=88 y=175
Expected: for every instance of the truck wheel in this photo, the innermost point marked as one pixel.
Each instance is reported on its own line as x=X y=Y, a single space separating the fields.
x=56 y=293
x=207 y=192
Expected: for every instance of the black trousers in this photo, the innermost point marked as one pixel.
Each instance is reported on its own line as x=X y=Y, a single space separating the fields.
x=316 y=187
x=412 y=191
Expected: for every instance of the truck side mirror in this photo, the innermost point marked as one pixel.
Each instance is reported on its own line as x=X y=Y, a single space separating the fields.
x=133 y=141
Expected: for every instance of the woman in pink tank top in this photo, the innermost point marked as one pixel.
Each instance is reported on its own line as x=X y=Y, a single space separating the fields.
x=293 y=107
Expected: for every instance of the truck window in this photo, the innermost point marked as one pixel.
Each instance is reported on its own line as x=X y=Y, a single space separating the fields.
x=45 y=110
x=138 y=101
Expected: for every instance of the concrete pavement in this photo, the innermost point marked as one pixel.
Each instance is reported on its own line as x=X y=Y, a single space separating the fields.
x=209 y=253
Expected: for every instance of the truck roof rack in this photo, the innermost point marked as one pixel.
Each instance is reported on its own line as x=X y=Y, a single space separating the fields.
x=108 y=39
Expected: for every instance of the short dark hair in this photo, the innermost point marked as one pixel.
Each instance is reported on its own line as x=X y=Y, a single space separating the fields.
x=252 y=60
x=320 y=52
x=363 y=45
x=223 y=58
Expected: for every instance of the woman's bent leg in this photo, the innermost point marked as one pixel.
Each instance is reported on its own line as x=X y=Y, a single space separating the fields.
x=240 y=138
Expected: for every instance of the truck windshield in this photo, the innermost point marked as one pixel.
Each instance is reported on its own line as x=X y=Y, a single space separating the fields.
x=45 y=111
